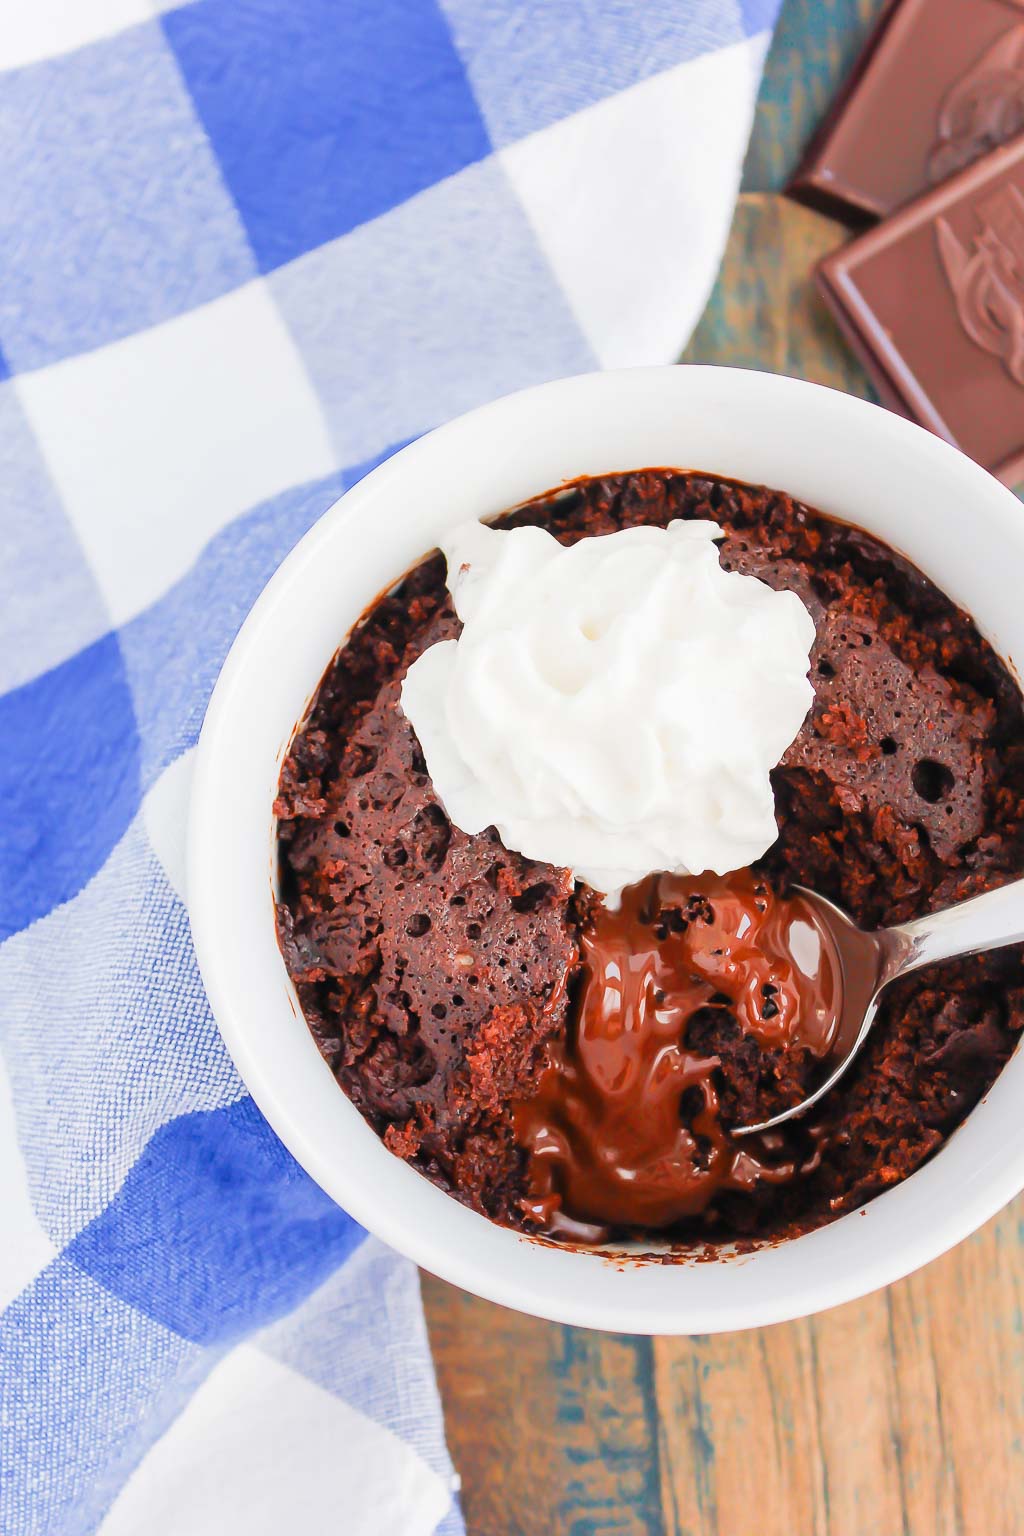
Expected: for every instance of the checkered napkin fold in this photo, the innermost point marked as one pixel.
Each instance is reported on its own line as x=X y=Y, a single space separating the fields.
x=247 y=247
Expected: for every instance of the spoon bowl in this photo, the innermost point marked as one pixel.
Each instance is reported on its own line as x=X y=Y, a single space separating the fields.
x=866 y=962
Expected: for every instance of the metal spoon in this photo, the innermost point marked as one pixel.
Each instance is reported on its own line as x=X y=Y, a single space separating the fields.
x=868 y=962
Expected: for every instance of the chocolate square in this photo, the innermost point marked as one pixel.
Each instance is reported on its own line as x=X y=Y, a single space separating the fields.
x=932 y=300
x=938 y=84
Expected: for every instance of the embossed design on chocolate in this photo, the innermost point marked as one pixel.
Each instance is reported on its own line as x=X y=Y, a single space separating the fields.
x=988 y=281
x=983 y=108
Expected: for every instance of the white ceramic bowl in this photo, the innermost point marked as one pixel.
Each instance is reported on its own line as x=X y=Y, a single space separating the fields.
x=851 y=459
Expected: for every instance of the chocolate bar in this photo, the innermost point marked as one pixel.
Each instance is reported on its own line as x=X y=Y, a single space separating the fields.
x=939 y=84
x=932 y=300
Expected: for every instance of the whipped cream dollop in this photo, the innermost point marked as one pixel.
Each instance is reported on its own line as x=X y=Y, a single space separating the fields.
x=614 y=707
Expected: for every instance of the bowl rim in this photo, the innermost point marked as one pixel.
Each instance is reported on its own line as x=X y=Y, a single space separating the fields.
x=411 y=1220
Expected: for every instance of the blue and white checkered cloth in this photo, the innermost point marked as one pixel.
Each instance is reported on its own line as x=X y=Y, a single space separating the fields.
x=247 y=247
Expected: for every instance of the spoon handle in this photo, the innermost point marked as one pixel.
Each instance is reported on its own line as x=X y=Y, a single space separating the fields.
x=985 y=922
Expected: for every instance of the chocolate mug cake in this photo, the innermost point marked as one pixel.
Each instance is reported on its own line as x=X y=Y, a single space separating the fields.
x=573 y=1067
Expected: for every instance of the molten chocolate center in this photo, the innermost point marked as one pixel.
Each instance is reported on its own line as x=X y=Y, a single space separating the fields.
x=626 y=1129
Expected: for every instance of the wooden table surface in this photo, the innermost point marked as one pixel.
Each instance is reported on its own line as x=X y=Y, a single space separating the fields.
x=899 y=1415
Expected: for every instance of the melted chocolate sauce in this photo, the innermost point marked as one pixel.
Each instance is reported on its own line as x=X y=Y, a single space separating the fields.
x=626 y=1127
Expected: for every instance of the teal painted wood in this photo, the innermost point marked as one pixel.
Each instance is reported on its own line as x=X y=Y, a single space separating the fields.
x=765 y=311
x=815 y=44
x=612 y=1472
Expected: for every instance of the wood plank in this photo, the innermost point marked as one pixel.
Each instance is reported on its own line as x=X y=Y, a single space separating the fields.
x=962 y=1319
x=551 y=1429
x=875 y=1417
x=765 y=311
x=857 y=1421
x=732 y=1408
